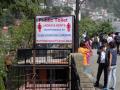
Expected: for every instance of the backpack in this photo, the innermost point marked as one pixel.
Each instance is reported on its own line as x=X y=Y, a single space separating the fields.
x=117 y=39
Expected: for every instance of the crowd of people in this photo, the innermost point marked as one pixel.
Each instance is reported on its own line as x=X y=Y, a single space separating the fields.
x=107 y=49
x=98 y=40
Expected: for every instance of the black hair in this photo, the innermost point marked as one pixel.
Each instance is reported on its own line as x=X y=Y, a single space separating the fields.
x=87 y=38
x=112 y=44
x=109 y=34
x=101 y=47
x=82 y=43
x=117 y=33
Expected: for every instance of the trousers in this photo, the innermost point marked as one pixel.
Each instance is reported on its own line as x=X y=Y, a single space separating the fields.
x=112 y=77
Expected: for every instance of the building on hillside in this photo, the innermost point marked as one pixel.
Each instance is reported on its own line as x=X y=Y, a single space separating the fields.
x=101 y=14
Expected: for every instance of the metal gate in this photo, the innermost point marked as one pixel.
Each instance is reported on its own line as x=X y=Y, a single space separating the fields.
x=40 y=69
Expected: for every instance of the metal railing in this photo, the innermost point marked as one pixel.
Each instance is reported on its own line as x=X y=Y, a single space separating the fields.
x=20 y=77
x=50 y=71
x=75 y=79
x=43 y=56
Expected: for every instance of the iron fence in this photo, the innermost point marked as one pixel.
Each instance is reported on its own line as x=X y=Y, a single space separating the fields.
x=49 y=70
x=75 y=78
x=21 y=77
x=43 y=56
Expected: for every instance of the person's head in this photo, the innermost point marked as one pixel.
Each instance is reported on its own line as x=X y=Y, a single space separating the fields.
x=112 y=45
x=109 y=34
x=103 y=48
x=116 y=33
x=82 y=44
x=87 y=39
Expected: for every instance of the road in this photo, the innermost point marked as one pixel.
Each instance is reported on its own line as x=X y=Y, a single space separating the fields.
x=94 y=67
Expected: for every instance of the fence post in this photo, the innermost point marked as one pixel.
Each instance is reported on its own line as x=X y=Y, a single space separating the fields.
x=34 y=71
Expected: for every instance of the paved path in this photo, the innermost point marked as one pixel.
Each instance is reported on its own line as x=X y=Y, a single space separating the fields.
x=94 y=67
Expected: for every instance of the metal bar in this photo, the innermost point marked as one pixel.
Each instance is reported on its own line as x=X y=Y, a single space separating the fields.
x=51 y=48
x=18 y=78
x=34 y=71
x=50 y=79
x=69 y=84
x=76 y=34
x=52 y=67
x=25 y=77
x=44 y=65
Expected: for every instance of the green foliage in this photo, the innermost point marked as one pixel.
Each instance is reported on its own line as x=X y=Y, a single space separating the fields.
x=6 y=18
x=67 y=10
x=27 y=8
x=105 y=27
x=17 y=36
x=94 y=28
x=22 y=35
x=21 y=8
x=56 y=10
x=2 y=71
x=2 y=87
x=47 y=11
x=12 y=9
x=88 y=25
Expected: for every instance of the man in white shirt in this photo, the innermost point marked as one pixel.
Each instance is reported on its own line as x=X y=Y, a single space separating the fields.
x=110 y=38
x=102 y=57
x=102 y=66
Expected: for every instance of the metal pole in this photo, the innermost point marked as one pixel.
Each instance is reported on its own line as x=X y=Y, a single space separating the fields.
x=34 y=72
x=76 y=33
x=34 y=54
x=70 y=72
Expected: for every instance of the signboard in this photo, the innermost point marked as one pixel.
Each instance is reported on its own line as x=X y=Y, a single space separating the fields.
x=54 y=29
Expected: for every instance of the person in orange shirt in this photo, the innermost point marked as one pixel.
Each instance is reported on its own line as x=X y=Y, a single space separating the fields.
x=84 y=51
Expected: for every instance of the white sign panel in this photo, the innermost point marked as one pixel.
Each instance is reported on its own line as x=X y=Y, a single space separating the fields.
x=54 y=29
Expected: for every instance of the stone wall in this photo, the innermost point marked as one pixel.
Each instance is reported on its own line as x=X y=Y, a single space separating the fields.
x=85 y=81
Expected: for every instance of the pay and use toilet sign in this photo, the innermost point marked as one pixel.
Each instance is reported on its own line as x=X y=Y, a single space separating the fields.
x=53 y=29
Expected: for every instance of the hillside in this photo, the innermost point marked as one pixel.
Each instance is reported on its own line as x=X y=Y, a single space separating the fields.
x=111 y=5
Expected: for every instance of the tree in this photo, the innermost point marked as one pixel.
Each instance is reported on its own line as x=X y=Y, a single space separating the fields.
x=56 y=10
x=67 y=10
x=26 y=8
x=21 y=8
x=22 y=35
x=104 y=27
x=86 y=24
x=94 y=27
